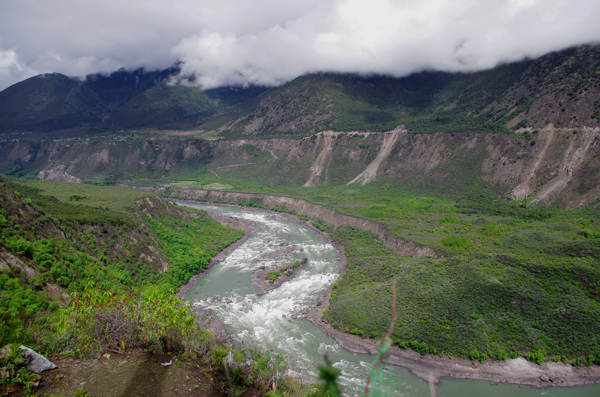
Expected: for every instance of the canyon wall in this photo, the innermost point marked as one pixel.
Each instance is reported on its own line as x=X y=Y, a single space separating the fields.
x=541 y=166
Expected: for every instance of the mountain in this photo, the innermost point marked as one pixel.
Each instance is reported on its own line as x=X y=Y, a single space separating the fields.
x=560 y=88
x=49 y=102
x=120 y=100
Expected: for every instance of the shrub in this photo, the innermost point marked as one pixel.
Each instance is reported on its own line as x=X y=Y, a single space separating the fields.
x=272 y=276
x=454 y=241
x=96 y=321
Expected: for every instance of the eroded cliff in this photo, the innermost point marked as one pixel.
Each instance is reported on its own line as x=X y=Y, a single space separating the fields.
x=547 y=165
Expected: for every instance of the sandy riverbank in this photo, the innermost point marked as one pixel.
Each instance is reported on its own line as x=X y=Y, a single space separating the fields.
x=430 y=368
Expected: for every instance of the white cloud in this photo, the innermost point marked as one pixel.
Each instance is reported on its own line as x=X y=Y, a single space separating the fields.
x=271 y=41
x=11 y=69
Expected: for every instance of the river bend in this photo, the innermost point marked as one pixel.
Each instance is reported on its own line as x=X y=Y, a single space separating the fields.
x=274 y=320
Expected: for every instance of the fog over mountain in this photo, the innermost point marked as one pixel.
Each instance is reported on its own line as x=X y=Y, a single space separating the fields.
x=272 y=41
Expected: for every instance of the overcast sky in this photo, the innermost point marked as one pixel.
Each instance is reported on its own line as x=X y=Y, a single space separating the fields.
x=273 y=41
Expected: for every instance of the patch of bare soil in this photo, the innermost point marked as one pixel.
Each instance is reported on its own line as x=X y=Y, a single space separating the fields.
x=328 y=138
x=135 y=373
x=389 y=140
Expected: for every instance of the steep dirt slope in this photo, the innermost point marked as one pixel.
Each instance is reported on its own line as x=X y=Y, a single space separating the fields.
x=78 y=161
x=370 y=173
x=325 y=140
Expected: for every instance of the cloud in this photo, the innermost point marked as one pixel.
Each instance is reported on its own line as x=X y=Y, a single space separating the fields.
x=272 y=41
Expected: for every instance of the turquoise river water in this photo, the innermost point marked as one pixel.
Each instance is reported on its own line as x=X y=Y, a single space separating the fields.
x=265 y=321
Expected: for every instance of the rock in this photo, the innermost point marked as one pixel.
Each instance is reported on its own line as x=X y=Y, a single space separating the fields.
x=230 y=360
x=5 y=352
x=35 y=362
x=544 y=378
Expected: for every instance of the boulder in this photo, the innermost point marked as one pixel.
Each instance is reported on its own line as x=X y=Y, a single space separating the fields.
x=35 y=362
x=545 y=378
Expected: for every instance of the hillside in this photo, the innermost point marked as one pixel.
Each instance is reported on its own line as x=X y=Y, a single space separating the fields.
x=116 y=238
x=121 y=100
x=560 y=88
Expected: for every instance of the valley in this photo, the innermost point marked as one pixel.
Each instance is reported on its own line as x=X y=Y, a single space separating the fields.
x=477 y=192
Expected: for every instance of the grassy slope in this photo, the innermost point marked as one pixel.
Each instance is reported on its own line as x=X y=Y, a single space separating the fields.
x=104 y=314
x=80 y=240
x=513 y=280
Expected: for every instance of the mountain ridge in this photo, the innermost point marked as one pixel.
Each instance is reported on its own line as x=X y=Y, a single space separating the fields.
x=560 y=88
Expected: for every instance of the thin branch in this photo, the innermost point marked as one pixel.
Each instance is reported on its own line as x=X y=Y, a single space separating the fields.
x=231 y=389
x=386 y=340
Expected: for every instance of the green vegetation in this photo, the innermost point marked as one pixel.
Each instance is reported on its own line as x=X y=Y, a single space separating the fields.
x=190 y=244
x=511 y=281
x=13 y=375
x=272 y=276
x=491 y=305
x=97 y=321
x=60 y=201
x=110 y=198
x=19 y=306
x=116 y=301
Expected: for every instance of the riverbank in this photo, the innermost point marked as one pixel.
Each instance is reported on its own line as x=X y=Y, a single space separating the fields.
x=211 y=324
x=241 y=224
x=434 y=368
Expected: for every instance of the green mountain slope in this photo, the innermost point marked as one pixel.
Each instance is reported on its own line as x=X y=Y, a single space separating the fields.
x=58 y=238
x=562 y=88
x=49 y=102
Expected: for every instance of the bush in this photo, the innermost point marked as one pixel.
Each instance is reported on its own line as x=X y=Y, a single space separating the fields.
x=272 y=276
x=454 y=241
x=96 y=321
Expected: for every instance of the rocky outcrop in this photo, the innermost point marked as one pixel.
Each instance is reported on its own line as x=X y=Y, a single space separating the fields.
x=271 y=277
x=83 y=160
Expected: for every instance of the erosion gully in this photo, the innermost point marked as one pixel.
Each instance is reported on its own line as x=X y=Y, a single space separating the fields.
x=274 y=320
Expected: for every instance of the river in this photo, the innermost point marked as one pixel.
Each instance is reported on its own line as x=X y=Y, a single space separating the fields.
x=267 y=321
